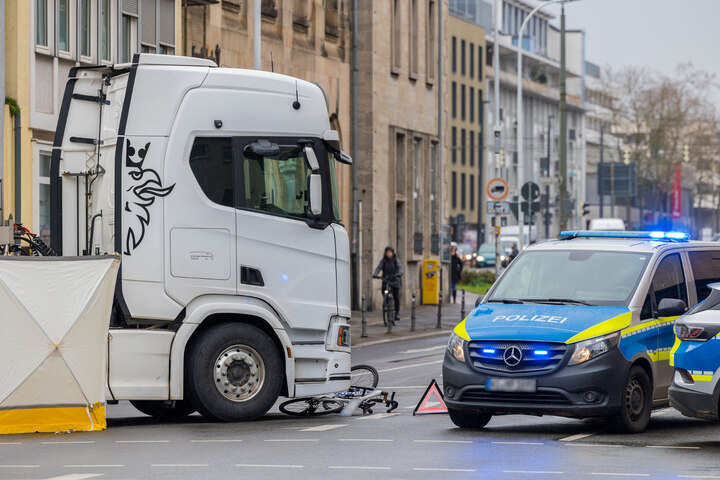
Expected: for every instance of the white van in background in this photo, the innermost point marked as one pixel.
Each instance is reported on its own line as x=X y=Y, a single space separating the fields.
x=607 y=224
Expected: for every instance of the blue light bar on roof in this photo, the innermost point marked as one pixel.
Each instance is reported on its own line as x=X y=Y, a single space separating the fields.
x=672 y=236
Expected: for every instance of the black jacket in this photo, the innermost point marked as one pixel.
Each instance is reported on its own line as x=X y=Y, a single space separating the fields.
x=391 y=269
x=456 y=268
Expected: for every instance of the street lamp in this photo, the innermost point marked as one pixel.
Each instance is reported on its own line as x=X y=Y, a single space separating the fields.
x=521 y=164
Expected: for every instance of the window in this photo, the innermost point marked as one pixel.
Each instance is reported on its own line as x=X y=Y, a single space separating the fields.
x=211 y=161
x=454 y=190
x=480 y=63
x=706 y=270
x=454 y=99
x=454 y=54
x=400 y=163
x=462 y=102
x=396 y=38
x=471 y=150
x=453 y=146
x=669 y=281
x=44 y=197
x=414 y=39
x=430 y=49
x=166 y=50
x=433 y=190
x=462 y=146
x=481 y=108
x=85 y=32
x=63 y=23
x=462 y=57
x=472 y=104
x=462 y=191
x=334 y=187
x=417 y=226
x=472 y=192
x=472 y=59
x=129 y=38
x=105 y=32
x=277 y=184
x=41 y=23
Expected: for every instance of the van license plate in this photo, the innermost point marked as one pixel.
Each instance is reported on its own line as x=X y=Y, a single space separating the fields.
x=511 y=385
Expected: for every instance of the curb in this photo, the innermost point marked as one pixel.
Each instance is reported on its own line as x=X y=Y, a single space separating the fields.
x=404 y=338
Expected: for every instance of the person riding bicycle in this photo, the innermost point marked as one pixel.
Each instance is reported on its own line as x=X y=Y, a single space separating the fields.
x=392 y=270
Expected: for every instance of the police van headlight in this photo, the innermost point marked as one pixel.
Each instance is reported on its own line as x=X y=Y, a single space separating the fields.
x=456 y=345
x=594 y=347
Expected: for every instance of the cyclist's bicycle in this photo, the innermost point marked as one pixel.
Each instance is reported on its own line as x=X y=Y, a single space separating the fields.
x=363 y=394
x=388 y=304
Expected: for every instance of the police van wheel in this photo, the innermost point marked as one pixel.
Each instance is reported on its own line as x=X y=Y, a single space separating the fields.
x=469 y=419
x=164 y=410
x=636 y=402
x=234 y=372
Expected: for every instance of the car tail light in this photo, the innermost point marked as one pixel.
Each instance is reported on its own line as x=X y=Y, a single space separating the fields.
x=691 y=333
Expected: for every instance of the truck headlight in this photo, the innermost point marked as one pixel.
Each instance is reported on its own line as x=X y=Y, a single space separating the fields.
x=456 y=345
x=594 y=347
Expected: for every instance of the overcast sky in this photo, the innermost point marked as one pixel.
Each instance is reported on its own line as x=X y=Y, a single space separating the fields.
x=655 y=33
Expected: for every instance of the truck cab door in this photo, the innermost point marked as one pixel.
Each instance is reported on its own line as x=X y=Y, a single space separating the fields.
x=285 y=255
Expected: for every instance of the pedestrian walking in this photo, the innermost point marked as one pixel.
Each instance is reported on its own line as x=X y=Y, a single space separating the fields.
x=456 y=268
x=513 y=253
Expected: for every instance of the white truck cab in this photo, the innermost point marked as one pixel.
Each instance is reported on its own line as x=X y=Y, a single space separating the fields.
x=218 y=187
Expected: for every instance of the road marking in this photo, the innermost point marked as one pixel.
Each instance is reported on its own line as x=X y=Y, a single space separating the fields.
x=406 y=387
x=423 y=350
x=621 y=474
x=664 y=411
x=366 y=440
x=67 y=443
x=179 y=465
x=410 y=366
x=378 y=416
x=519 y=443
x=672 y=446
x=76 y=476
x=293 y=440
x=698 y=476
x=267 y=466
x=532 y=471
x=351 y=467
x=323 y=428
x=218 y=440
x=443 y=441
x=93 y=466
x=10 y=443
x=444 y=470
x=19 y=466
x=142 y=441
x=594 y=445
x=572 y=438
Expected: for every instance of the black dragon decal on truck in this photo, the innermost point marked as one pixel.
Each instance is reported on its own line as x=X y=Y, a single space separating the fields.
x=144 y=187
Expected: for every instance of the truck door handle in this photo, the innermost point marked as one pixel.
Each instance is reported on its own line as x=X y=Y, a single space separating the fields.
x=251 y=276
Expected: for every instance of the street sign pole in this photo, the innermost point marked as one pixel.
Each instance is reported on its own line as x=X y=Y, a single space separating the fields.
x=497 y=189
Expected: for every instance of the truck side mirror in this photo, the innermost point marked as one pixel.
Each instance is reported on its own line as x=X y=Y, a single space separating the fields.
x=315 y=189
x=671 y=307
x=312 y=159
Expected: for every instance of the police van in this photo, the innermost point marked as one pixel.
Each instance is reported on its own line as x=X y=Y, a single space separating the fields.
x=581 y=326
x=695 y=391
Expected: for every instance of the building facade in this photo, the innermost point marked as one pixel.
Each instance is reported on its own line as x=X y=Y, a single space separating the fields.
x=44 y=39
x=401 y=124
x=466 y=102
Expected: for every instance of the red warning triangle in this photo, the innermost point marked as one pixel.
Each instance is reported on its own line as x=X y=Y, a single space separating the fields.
x=431 y=401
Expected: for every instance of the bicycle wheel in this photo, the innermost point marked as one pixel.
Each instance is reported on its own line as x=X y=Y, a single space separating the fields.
x=308 y=407
x=386 y=309
x=363 y=376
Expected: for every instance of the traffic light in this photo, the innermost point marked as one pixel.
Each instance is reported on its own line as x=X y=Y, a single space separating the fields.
x=585 y=209
x=686 y=153
x=626 y=155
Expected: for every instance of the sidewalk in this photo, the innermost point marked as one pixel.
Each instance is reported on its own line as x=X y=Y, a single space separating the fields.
x=425 y=322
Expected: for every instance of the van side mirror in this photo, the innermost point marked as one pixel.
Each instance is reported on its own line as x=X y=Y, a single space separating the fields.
x=315 y=190
x=312 y=159
x=671 y=307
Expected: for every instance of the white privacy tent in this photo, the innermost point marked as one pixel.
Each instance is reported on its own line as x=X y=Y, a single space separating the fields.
x=54 y=318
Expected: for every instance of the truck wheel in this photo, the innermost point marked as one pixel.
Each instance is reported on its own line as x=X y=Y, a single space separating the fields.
x=635 y=404
x=163 y=409
x=234 y=372
x=469 y=419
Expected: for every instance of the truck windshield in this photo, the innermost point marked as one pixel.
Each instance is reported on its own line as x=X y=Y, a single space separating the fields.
x=572 y=277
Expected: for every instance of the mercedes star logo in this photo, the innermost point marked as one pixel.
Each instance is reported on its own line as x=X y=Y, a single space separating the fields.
x=512 y=356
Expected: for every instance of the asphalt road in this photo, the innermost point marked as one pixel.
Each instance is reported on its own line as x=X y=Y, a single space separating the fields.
x=387 y=446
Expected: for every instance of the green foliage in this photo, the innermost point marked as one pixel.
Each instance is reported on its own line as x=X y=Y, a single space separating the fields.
x=476 y=281
x=13 y=104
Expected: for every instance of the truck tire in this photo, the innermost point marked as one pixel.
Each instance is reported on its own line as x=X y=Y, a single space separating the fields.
x=164 y=410
x=469 y=419
x=635 y=403
x=234 y=372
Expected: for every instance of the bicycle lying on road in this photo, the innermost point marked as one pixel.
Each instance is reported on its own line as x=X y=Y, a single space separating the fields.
x=363 y=394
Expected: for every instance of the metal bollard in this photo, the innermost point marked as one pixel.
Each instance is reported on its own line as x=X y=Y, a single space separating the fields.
x=462 y=306
x=363 y=332
x=439 y=315
x=412 y=314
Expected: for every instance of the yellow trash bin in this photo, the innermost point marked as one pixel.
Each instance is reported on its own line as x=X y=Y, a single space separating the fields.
x=430 y=282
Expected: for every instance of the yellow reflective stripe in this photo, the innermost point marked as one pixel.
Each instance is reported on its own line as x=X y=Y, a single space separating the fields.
x=701 y=378
x=461 y=332
x=675 y=346
x=659 y=355
x=608 y=326
x=50 y=420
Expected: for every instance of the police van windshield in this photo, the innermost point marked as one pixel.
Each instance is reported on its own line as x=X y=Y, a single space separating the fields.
x=580 y=277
